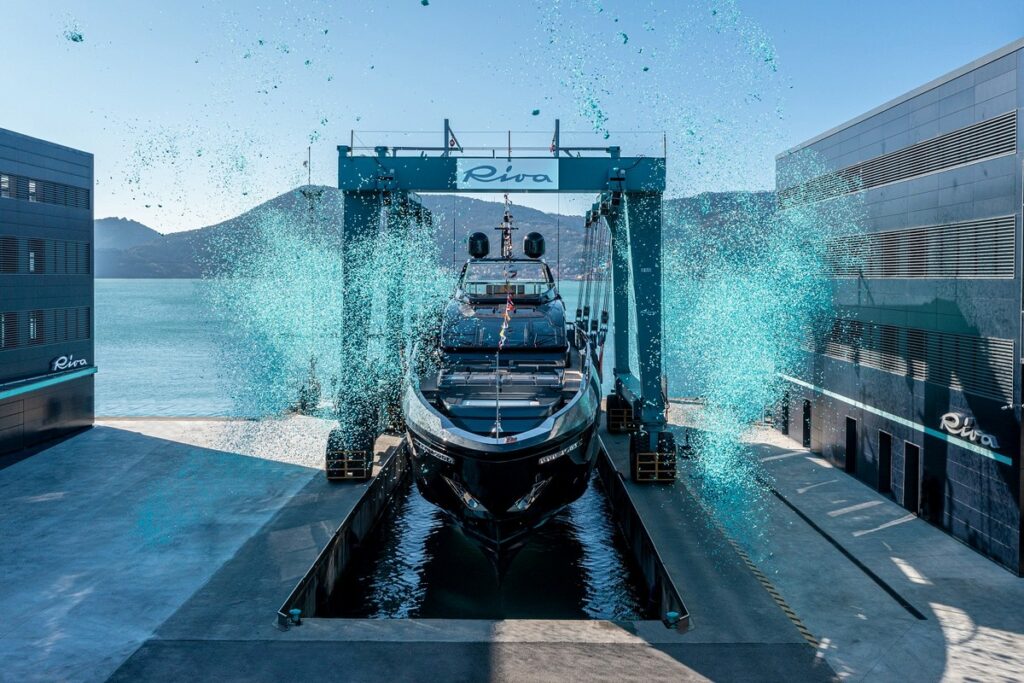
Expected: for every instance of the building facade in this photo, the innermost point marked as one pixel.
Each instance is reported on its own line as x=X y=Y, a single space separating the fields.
x=46 y=291
x=916 y=388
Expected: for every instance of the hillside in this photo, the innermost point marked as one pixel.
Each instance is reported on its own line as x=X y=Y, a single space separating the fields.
x=127 y=249
x=122 y=233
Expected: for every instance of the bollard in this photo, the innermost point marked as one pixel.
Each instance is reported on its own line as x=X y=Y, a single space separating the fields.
x=296 y=616
x=671 y=619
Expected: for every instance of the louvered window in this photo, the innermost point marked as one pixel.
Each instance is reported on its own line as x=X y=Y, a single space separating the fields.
x=8 y=330
x=45 y=256
x=36 y=255
x=971 y=249
x=20 y=187
x=8 y=254
x=35 y=328
x=976 y=365
x=48 y=326
x=72 y=258
x=989 y=138
x=84 y=328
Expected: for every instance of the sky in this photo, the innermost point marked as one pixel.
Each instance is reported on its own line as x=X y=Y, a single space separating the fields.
x=200 y=110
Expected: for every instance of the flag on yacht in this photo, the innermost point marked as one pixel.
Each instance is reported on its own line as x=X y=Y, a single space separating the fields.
x=506 y=318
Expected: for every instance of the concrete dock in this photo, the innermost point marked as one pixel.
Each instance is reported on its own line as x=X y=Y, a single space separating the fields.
x=856 y=567
x=161 y=550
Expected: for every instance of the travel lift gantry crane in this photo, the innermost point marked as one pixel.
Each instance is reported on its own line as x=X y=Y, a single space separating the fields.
x=629 y=198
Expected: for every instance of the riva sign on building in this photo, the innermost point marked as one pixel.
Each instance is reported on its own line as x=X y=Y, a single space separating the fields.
x=507 y=174
x=964 y=426
x=67 y=363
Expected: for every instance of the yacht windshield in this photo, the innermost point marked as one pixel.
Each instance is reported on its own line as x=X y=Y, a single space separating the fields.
x=495 y=278
x=472 y=327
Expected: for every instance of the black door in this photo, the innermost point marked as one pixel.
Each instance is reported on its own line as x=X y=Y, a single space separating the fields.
x=911 y=477
x=850 y=462
x=785 y=413
x=807 y=424
x=884 y=462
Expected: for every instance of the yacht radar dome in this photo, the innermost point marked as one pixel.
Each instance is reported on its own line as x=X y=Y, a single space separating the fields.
x=479 y=245
x=533 y=245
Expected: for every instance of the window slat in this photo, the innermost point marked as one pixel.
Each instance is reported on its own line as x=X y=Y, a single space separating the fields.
x=976 y=365
x=988 y=138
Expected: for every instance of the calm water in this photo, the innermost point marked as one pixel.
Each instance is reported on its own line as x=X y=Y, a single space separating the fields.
x=158 y=350
x=418 y=564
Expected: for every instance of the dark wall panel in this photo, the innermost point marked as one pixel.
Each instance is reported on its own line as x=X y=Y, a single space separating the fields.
x=66 y=297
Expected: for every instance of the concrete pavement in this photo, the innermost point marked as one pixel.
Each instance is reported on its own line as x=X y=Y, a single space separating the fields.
x=973 y=626
x=106 y=534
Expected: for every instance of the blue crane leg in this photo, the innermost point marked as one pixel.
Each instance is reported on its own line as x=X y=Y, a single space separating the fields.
x=645 y=217
x=361 y=216
x=620 y=295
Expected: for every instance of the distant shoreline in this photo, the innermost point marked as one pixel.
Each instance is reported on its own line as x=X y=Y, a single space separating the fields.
x=128 y=250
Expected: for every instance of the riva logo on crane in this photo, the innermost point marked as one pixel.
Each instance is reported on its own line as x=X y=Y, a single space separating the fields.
x=67 y=363
x=506 y=174
x=962 y=425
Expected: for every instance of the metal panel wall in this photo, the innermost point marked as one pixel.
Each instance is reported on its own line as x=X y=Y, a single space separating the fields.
x=46 y=240
x=940 y=259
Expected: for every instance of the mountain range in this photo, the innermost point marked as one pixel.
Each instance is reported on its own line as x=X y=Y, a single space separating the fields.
x=128 y=249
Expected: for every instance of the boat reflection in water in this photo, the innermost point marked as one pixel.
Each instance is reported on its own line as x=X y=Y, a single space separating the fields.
x=501 y=417
x=419 y=565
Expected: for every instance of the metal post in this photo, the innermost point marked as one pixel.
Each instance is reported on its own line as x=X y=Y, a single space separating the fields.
x=359 y=418
x=620 y=293
x=645 y=216
x=397 y=229
x=361 y=221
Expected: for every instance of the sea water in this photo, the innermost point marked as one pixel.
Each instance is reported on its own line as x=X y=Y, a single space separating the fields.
x=157 y=350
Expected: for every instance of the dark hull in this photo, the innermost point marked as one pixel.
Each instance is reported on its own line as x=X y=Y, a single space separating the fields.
x=491 y=485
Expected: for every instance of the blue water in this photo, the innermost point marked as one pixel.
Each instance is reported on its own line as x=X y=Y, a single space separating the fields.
x=159 y=350
x=417 y=564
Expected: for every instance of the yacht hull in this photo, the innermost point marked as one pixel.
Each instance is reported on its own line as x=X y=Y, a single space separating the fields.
x=499 y=498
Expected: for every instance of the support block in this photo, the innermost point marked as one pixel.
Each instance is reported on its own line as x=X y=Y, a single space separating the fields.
x=649 y=465
x=349 y=465
x=348 y=462
x=619 y=417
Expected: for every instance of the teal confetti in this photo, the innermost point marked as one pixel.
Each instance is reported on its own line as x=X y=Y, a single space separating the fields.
x=73 y=34
x=278 y=286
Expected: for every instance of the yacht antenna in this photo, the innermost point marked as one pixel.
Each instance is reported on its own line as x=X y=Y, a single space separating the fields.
x=506 y=230
x=506 y=253
x=502 y=336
